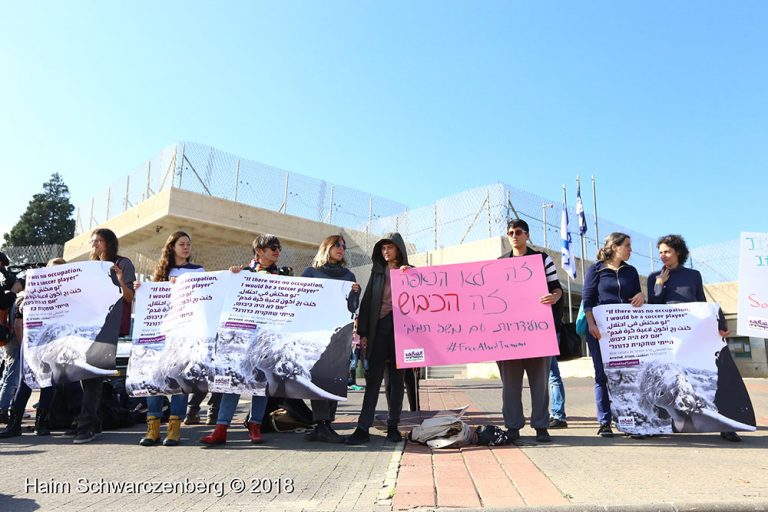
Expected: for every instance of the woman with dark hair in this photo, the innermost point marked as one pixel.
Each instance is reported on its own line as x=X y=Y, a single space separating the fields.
x=675 y=283
x=377 y=337
x=104 y=247
x=173 y=262
x=266 y=252
x=329 y=263
x=610 y=280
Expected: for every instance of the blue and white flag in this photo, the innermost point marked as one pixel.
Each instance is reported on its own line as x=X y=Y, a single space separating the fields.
x=568 y=262
x=580 y=211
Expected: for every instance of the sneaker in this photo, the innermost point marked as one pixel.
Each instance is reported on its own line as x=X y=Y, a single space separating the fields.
x=513 y=434
x=556 y=423
x=192 y=419
x=731 y=436
x=605 y=430
x=84 y=437
x=359 y=436
x=326 y=434
x=394 y=435
x=311 y=435
x=542 y=436
x=355 y=388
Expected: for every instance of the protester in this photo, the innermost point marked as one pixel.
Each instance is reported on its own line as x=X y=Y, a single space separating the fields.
x=675 y=284
x=11 y=348
x=23 y=393
x=104 y=246
x=536 y=368
x=329 y=263
x=557 y=416
x=377 y=337
x=357 y=354
x=173 y=262
x=266 y=252
x=611 y=280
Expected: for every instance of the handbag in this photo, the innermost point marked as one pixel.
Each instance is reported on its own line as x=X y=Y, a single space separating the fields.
x=569 y=343
x=581 y=321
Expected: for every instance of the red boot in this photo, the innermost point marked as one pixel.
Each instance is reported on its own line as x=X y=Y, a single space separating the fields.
x=254 y=432
x=218 y=436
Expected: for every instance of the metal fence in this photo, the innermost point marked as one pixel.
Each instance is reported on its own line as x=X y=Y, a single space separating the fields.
x=32 y=254
x=464 y=217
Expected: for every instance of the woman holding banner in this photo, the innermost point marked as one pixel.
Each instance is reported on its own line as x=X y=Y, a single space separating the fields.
x=173 y=262
x=611 y=280
x=104 y=247
x=329 y=263
x=266 y=252
x=675 y=283
x=377 y=337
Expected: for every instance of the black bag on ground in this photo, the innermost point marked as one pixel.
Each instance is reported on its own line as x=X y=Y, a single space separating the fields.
x=569 y=343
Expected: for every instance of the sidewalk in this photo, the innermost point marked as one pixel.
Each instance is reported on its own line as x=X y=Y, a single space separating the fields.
x=577 y=471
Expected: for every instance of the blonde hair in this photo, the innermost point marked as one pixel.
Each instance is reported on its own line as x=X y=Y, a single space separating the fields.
x=324 y=251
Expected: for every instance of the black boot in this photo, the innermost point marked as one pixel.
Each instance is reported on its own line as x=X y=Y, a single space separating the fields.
x=14 y=425
x=4 y=418
x=326 y=434
x=41 y=423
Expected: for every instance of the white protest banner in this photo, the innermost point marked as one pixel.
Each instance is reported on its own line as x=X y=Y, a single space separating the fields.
x=71 y=322
x=284 y=336
x=753 y=285
x=669 y=371
x=174 y=332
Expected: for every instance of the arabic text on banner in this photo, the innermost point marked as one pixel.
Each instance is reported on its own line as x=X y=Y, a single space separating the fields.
x=284 y=336
x=669 y=371
x=71 y=322
x=174 y=334
x=472 y=312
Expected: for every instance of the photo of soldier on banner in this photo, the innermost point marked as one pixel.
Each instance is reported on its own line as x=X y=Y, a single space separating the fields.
x=669 y=372
x=72 y=316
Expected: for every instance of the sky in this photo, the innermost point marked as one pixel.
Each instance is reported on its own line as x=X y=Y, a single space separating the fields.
x=663 y=102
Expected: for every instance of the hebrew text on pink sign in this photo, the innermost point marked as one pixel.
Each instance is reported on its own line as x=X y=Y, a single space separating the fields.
x=472 y=312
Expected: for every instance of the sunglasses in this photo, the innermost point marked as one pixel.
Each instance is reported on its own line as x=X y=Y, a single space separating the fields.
x=275 y=248
x=340 y=245
x=517 y=232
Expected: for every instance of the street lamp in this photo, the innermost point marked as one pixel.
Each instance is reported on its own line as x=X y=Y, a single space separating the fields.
x=544 y=216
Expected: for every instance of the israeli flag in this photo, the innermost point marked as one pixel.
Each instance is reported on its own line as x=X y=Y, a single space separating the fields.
x=580 y=211
x=568 y=262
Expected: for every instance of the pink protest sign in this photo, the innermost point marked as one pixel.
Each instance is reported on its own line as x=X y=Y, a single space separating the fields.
x=472 y=312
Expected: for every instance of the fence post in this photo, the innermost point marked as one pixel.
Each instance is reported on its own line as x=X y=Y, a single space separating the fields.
x=149 y=176
x=127 y=192
x=237 y=179
x=435 y=225
x=181 y=166
x=109 y=200
x=330 y=207
x=90 y=219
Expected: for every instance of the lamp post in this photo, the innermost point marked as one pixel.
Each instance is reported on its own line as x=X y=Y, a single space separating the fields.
x=544 y=217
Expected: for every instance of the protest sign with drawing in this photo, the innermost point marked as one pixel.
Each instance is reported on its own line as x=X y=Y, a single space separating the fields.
x=669 y=371
x=753 y=285
x=472 y=312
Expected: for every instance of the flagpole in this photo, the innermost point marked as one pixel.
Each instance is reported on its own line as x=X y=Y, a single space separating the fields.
x=581 y=235
x=570 y=304
x=594 y=202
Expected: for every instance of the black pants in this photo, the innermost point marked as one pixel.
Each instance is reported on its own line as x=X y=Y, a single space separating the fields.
x=411 y=387
x=88 y=421
x=195 y=399
x=383 y=350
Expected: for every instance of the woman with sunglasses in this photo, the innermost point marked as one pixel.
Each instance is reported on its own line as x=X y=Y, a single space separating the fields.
x=266 y=252
x=329 y=263
x=611 y=280
x=173 y=262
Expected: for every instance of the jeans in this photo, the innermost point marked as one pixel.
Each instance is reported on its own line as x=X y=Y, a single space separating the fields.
x=229 y=406
x=178 y=405
x=602 y=399
x=556 y=392
x=11 y=375
x=24 y=392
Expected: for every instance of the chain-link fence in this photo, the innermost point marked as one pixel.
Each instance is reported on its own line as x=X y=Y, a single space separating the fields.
x=32 y=254
x=717 y=263
x=464 y=217
x=209 y=171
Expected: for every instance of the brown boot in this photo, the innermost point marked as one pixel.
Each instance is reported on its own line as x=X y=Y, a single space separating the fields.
x=174 y=431
x=153 y=432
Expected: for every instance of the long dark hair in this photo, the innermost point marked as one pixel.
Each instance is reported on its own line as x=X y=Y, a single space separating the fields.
x=110 y=253
x=168 y=257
